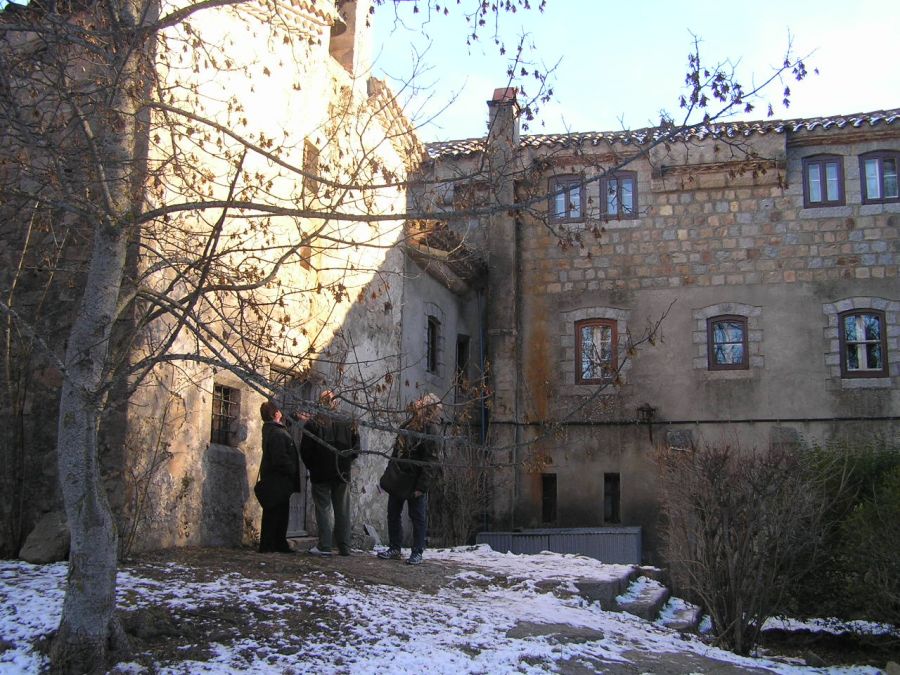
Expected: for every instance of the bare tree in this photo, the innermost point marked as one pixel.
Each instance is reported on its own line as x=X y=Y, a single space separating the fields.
x=146 y=177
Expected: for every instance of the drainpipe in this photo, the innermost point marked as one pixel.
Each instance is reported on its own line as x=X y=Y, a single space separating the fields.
x=482 y=431
x=482 y=362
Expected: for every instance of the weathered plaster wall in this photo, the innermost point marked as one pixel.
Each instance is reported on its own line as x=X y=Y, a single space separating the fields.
x=343 y=305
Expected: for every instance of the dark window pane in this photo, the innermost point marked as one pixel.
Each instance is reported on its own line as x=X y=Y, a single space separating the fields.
x=872 y=326
x=873 y=357
x=853 y=357
x=850 y=328
x=432 y=338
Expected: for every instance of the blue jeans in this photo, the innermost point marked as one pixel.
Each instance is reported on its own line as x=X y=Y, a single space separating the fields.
x=416 y=510
x=332 y=501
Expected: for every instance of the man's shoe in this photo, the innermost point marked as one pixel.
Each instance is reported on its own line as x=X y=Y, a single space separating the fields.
x=415 y=558
x=344 y=550
x=390 y=554
x=315 y=550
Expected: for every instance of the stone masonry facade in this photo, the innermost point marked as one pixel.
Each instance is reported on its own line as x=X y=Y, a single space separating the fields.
x=716 y=221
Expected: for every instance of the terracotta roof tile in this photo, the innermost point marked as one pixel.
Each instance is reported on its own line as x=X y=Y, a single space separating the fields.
x=468 y=146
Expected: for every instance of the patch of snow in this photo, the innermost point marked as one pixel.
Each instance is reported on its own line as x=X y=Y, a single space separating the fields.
x=475 y=628
x=638 y=589
x=831 y=625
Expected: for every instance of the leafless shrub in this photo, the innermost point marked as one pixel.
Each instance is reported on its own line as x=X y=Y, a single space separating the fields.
x=460 y=496
x=740 y=526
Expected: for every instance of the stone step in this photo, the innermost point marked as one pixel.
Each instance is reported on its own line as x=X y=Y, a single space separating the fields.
x=644 y=597
x=680 y=615
x=605 y=591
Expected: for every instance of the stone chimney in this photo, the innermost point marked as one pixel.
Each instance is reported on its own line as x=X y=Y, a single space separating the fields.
x=351 y=37
x=502 y=141
x=503 y=117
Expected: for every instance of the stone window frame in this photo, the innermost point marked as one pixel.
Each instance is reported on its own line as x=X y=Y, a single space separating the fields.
x=620 y=214
x=879 y=156
x=227 y=397
x=753 y=315
x=820 y=162
x=890 y=309
x=567 y=364
x=711 y=344
x=562 y=185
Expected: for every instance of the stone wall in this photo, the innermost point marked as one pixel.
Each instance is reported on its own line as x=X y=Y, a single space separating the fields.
x=720 y=228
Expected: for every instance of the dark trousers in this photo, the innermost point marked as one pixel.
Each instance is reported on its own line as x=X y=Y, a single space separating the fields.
x=416 y=510
x=273 y=530
x=332 y=502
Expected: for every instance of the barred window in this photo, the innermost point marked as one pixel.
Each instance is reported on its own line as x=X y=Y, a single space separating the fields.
x=224 y=415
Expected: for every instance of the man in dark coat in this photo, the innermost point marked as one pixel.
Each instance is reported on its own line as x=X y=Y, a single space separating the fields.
x=411 y=469
x=279 y=476
x=329 y=446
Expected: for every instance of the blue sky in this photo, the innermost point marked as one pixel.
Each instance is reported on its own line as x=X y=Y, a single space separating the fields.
x=620 y=63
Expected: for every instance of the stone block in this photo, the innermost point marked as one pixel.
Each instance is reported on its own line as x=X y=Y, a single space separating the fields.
x=48 y=541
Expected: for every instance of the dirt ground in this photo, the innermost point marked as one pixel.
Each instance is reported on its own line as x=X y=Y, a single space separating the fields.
x=156 y=634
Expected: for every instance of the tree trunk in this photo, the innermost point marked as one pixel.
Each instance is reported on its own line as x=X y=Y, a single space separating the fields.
x=89 y=629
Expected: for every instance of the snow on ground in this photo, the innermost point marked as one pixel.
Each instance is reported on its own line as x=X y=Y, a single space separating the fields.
x=473 y=626
x=833 y=626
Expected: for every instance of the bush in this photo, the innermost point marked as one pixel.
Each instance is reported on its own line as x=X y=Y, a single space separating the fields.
x=871 y=550
x=740 y=527
x=856 y=573
x=459 y=496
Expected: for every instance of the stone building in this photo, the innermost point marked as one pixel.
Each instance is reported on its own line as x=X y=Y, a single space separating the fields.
x=760 y=259
x=736 y=283
x=295 y=109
